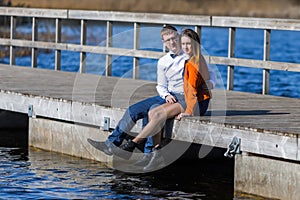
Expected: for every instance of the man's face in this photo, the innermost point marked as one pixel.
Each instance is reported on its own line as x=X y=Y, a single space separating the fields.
x=171 y=41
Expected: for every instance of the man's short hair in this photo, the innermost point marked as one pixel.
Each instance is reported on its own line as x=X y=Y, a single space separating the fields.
x=168 y=29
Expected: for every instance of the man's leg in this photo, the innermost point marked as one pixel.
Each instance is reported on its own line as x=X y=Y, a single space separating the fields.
x=135 y=112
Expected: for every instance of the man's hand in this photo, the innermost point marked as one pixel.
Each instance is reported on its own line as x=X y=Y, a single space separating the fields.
x=170 y=99
x=181 y=115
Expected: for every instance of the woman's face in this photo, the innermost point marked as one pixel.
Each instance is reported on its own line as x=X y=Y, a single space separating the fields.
x=186 y=45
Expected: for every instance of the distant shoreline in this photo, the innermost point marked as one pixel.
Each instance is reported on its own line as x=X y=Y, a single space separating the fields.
x=245 y=8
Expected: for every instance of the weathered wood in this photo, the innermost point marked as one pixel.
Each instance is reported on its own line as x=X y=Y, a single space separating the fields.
x=152 y=18
x=267 y=125
x=33 y=12
x=257 y=23
x=284 y=66
x=83 y=29
x=84 y=48
x=57 y=61
x=34 y=37
x=266 y=57
x=108 y=61
x=136 y=46
x=272 y=65
x=12 y=58
x=254 y=140
x=230 y=68
x=149 y=18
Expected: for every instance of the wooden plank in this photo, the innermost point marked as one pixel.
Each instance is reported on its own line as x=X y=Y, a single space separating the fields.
x=257 y=23
x=33 y=12
x=272 y=65
x=252 y=140
x=294 y=67
x=152 y=18
x=83 y=48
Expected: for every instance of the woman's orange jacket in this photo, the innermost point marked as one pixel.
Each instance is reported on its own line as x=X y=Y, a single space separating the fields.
x=195 y=75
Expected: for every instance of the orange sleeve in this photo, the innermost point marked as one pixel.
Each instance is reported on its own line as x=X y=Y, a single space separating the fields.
x=191 y=77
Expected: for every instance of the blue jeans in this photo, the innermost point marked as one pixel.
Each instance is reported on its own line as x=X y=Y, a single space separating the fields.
x=134 y=112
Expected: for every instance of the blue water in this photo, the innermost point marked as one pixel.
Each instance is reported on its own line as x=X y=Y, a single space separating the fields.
x=285 y=47
x=36 y=174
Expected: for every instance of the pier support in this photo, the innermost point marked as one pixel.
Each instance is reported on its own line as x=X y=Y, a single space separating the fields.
x=67 y=138
x=267 y=177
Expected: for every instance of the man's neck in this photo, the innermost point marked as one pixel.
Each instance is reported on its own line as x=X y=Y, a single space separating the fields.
x=176 y=53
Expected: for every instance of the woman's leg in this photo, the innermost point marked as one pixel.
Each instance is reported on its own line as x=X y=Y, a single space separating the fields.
x=156 y=139
x=157 y=119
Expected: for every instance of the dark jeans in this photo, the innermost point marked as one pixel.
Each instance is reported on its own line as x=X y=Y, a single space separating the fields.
x=135 y=112
x=203 y=106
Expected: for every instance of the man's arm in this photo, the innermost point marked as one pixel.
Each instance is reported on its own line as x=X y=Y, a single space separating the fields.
x=162 y=82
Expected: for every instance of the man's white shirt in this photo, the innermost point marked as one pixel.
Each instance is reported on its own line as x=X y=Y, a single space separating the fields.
x=170 y=74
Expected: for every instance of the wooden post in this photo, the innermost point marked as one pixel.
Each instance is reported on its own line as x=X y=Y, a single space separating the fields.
x=266 y=72
x=136 y=46
x=34 y=37
x=57 y=64
x=12 y=49
x=82 y=42
x=108 y=70
x=230 y=68
x=198 y=30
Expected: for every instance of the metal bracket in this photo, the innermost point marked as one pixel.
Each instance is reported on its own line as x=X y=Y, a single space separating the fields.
x=30 y=111
x=233 y=147
x=106 y=124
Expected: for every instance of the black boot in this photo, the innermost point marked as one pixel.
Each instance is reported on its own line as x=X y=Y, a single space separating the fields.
x=125 y=150
x=156 y=162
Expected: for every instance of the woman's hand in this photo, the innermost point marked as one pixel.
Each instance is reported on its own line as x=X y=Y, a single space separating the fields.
x=181 y=115
x=170 y=99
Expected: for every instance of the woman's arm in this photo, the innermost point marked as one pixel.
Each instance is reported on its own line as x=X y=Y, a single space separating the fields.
x=191 y=78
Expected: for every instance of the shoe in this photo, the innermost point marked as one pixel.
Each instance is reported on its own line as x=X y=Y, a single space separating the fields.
x=144 y=161
x=156 y=162
x=101 y=146
x=125 y=150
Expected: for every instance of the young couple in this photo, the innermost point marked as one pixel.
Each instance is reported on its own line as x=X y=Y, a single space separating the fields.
x=183 y=83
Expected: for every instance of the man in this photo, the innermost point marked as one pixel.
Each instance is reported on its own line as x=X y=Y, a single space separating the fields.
x=174 y=60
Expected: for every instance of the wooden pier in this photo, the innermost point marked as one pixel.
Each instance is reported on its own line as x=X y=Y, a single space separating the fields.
x=66 y=108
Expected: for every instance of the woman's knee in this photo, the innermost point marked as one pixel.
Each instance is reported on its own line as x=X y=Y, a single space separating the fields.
x=157 y=114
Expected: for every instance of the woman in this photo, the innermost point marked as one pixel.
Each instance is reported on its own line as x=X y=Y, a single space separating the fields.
x=195 y=75
x=195 y=99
